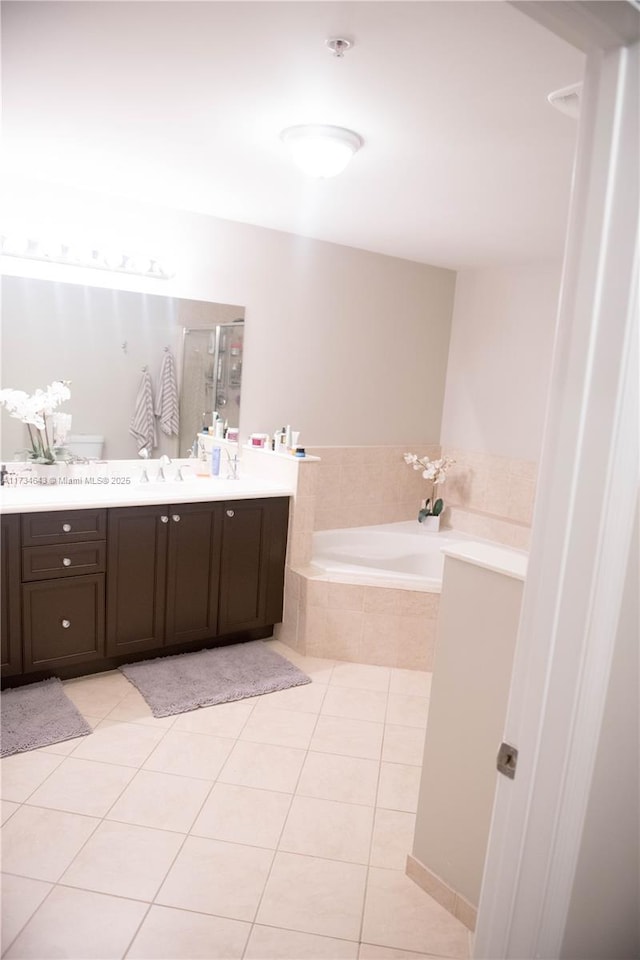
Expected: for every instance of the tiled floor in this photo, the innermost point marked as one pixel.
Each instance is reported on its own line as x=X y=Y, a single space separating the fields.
x=275 y=827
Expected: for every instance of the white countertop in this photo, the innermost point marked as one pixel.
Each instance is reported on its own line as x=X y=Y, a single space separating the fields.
x=114 y=492
x=510 y=562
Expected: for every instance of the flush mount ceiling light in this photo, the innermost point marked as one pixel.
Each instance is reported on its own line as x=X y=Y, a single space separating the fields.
x=320 y=150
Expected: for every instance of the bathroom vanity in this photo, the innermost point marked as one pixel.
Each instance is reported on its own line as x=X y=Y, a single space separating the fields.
x=128 y=575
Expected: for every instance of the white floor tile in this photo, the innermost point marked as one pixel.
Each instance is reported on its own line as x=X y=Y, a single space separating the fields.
x=161 y=800
x=403 y=745
x=79 y=925
x=124 y=860
x=328 y=829
x=347 y=779
x=133 y=708
x=283 y=728
x=189 y=755
x=399 y=914
x=369 y=951
x=21 y=897
x=415 y=683
x=314 y=896
x=393 y=833
x=277 y=944
x=82 y=786
x=407 y=711
x=243 y=815
x=361 y=675
x=263 y=765
x=168 y=934
x=209 y=876
x=306 y=699
x=7 y=808
x=41 y=843
x=24 y=772
x=399 y=787
x=355 y=704
x=127 y=744
x=348 y=738
x=221 y=720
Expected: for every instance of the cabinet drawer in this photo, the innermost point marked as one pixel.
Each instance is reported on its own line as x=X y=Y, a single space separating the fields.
x=59 y=526
x=63 y=621
x=63 y=560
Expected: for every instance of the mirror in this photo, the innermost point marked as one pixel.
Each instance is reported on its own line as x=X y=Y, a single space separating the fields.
x=101 y=339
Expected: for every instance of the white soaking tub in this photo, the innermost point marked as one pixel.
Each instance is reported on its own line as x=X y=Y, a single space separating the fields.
x=402 y=555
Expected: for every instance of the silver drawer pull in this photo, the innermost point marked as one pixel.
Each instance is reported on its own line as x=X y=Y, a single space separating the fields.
x=231 y=513
x=66 y=624
x=66 y=562
x=164 y=519
x=176 y=518
x=66 y=527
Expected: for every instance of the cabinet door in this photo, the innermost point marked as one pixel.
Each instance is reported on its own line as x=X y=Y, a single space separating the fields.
x=252 y=563
x=193 y=571
x=136 y=578
x=63 y=621
x=10 y=632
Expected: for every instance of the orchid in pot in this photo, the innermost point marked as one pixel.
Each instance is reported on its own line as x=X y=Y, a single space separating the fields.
x=436 y=472
x=34 y=410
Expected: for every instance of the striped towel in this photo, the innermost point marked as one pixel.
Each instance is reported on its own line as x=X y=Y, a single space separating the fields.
x=167 y=400
x=143 y=424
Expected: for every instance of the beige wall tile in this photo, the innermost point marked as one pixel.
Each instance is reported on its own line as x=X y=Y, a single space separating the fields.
x=431 y=884
x=317 y=593
x=382 y=600
x=345 y=596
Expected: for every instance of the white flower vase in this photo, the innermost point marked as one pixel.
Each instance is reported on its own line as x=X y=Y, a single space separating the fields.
x=430 y=524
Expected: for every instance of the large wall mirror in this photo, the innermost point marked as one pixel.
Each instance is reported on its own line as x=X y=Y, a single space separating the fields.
x=101 y=340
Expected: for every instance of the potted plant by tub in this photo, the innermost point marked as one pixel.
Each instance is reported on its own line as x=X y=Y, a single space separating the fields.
x=436 y=472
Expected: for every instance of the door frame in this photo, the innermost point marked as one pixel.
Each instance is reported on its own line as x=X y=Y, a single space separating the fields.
x=587 y=494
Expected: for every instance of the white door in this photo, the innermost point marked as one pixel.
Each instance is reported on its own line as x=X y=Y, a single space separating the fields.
x=580 y=551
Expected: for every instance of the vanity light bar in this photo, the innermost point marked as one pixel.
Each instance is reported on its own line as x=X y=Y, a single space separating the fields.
x=56 y=252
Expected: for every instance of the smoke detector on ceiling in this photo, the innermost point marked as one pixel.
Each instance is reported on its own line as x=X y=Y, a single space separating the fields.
x=567 y=100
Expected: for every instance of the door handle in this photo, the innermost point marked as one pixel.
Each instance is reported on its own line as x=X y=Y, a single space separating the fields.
x=164 y=519
x=66 y=624
x=176 y=518
x=66 y=562
x=231 y=513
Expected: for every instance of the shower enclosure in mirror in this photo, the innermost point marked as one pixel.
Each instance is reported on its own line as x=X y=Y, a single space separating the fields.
x=212 y=368
x=100 y=339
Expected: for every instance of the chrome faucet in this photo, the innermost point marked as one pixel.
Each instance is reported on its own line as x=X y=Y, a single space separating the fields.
x=164 y=462
x=232 y=466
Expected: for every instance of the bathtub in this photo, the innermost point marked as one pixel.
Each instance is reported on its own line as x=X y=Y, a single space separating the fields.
x=401 y=555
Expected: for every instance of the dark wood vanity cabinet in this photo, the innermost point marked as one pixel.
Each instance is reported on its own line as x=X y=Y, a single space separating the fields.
x=96 y=587
x=63 y=558
x=162 y=586
x=254 y=543
x=10 y=619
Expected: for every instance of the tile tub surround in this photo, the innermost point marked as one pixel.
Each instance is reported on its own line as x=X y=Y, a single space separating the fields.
x=310 y=840
x=490 y=497
x=361 y=486
x=363 y=624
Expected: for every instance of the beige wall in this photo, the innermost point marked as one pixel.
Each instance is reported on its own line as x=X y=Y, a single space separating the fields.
x=348 y=347
x=500 y=360
x=476 y=634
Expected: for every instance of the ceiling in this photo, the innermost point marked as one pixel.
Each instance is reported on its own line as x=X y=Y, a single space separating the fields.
x=180 y=103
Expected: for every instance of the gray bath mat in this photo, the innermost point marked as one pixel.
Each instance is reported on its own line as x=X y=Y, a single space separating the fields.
x=37 y=715
x=190 y=680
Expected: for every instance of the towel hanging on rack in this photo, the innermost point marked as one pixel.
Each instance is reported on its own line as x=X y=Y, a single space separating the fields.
x=143 y=424
x=167 y=405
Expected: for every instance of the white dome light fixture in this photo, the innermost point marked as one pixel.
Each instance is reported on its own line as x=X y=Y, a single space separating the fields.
x=320 y=150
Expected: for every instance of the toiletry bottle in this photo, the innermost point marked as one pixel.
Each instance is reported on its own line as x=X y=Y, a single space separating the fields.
x=215 y=462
